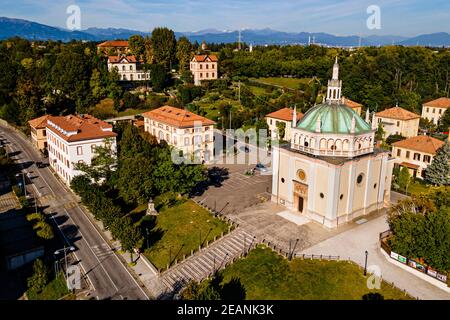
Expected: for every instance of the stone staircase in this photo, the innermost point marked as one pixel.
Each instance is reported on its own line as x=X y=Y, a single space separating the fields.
x=205 y=262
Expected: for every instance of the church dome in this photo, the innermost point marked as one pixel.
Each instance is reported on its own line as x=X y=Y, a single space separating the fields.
x=334 y=119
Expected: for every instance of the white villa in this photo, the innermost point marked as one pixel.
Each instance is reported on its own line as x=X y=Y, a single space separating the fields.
x=128 y=67
x=204 y=67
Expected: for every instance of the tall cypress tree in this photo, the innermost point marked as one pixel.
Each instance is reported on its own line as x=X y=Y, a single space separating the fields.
x=438 y=172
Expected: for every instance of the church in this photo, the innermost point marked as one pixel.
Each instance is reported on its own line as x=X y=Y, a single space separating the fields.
x=330 y=172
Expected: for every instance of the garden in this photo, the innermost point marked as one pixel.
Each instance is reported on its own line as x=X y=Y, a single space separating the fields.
x=265 y=275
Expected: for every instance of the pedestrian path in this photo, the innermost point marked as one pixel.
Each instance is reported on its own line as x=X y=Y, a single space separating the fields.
x=204 y=263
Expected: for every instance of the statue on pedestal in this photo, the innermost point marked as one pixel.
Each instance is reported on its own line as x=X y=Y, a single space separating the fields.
x=151 y=211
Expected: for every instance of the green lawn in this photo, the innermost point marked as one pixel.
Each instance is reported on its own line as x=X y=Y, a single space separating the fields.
x=417 y=187
x=266 y=275
x=292 y=83
x=54 y=290
x=181 y=227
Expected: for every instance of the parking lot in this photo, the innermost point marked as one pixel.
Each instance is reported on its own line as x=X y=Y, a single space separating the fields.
x=236 y=191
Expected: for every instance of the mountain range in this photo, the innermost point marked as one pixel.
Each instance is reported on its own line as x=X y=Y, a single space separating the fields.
x=35 y=31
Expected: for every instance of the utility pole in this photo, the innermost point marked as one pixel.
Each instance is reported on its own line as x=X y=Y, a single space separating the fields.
x=239 y=40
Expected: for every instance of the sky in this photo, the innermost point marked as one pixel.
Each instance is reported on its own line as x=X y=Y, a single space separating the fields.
x=339 y=17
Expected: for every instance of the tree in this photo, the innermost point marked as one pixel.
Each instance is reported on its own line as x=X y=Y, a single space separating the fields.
x=444 y=122
x=39 y=279
x=164 y=46
x=404 y=178
x=379 y=135
x=130 y=237
x=438 y=172
x=281 y=128
x=136 y=44
x=158 y=77
x=97 y=88
x=184 y=53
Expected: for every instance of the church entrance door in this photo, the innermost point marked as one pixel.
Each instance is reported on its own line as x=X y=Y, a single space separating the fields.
x=300 y=204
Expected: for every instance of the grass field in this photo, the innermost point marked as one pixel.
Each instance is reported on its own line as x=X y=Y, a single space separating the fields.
x=56 y=289
x=183 y=228
x=292 y=83
x=266 y=275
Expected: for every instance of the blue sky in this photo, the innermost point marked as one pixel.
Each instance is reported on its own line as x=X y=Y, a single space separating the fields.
x=341 y=17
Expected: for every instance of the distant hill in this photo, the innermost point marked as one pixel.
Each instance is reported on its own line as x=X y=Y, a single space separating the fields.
x=36 y=31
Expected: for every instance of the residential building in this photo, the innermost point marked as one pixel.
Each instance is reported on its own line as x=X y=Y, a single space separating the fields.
x=416 y=153
x=72 y=139
x=204 y=67
x=114 y=47
x=38 y=132
x=286 y=116
x=434 y=110
x=397 y=121
x=331 y=173
x=189 y=133
x=128 y=67
x=354 y=105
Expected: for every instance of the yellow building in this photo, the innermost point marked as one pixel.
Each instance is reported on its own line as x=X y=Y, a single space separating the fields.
x=286 y=116
x=39 y=133
x=434 y=110
x=416 y=153
x=187 y=132
x=398 y=121
x=331 y=173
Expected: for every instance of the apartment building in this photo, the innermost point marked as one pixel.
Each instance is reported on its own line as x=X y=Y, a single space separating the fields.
x=416 y=153
x=398 y=121
x=72 y=139
x=188 y=132
x=128 y=67
x=434 y=110
x=204 y=67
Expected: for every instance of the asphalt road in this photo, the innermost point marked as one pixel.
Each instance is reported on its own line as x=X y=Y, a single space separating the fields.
x=108 y=277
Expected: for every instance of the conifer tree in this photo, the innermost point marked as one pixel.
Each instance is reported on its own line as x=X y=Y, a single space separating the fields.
x=438 y=172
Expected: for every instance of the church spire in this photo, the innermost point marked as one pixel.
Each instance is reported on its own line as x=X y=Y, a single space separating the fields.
x=294 y=118
x=334 y=86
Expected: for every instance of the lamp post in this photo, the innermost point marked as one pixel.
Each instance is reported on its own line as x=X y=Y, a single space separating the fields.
x=24 y=185
x=365 y=264
x=65 y=249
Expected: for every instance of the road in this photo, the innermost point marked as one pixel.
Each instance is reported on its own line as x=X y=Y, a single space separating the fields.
x=107 y=275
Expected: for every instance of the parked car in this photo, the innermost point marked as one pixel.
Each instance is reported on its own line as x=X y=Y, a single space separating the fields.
x=261 y=168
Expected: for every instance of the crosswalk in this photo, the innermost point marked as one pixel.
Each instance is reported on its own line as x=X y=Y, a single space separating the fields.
x=102 y=251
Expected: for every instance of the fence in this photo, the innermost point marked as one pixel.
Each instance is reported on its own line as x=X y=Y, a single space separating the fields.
x=412 y=263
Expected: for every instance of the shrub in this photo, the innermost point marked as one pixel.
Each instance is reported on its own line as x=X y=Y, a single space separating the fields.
x=39 y=279
x=166 y=200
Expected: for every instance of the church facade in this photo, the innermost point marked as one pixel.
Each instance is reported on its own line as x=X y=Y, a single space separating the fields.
x=330 y=171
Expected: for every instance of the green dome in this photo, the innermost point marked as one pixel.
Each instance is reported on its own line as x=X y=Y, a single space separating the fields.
x=334 y=118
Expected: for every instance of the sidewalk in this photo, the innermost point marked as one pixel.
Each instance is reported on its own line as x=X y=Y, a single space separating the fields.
x=353 y=243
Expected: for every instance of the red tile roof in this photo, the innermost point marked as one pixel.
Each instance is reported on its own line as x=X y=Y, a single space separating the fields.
x=39 y=123
x=203 y=58
x=352 y=104
x=286 y=114
x=176 y=117
x=425 y=144
x=115 y=43
x=118 y=59
x=80 y=127
x=409 y=165
x=397 y=113
x=438 y=103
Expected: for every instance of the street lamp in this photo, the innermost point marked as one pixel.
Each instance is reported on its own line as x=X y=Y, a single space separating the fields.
x=65 y=249
x=365 y=264
x=24 y=185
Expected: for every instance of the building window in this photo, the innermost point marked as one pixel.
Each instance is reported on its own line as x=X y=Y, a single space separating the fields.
x=417 y=156
x=426 y=159
x=398 y=123
x=131 y=68
x=270 y=121
x=123 y=68
x=186 y=141
x=212 y=66
x=407 y=154
x=341 y=196
x=213 y=75
x=79 y=151
x=360 y=178
x=207 y=138
x=399 y=152
x=93 y=148
x=375 y=186
x=207 y=66
x=322 y=195
x=201 y=67
x=440 y=111
x=282 y=180
x=434 y=110
x=428 y=109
